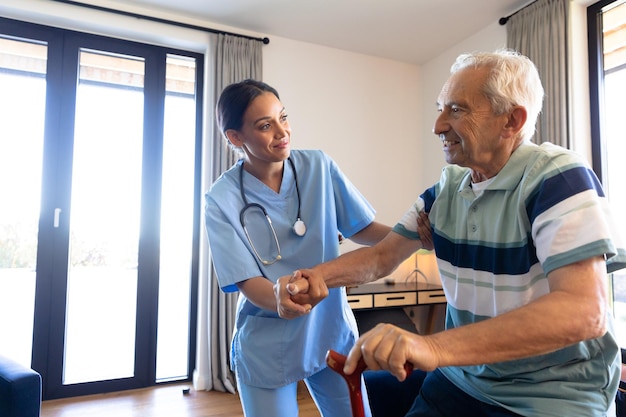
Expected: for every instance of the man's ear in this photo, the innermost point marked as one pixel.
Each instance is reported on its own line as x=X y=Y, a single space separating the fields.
x=233 y=137
x=516 y=121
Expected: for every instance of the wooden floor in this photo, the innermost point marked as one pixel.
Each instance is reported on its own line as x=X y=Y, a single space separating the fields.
x=161 y=401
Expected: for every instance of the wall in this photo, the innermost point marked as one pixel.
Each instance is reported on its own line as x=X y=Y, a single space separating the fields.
x=359 y=109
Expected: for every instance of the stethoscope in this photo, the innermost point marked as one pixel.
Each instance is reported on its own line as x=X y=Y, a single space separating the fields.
x=299 y=227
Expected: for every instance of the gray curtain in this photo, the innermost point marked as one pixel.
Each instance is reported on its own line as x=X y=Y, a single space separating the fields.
x=539 y=31
x=234 y=59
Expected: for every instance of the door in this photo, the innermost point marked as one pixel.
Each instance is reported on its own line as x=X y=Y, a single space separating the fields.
x=607 y=52
x=110 y=304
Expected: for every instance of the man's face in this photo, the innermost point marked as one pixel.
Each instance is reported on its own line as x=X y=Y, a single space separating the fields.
x=468 y=128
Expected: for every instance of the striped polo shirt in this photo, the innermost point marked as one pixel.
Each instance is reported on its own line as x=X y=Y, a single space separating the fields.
x=545 y=209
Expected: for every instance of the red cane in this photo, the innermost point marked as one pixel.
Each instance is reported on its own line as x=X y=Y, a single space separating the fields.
x=336 y=362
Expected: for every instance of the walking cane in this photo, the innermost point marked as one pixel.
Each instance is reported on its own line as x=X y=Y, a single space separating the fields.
x=336 y=362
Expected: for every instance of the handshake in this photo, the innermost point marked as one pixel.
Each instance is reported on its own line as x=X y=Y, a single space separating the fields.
x=298 y=293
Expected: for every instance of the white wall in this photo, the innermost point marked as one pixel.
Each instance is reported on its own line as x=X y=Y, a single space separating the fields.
x=361 y=110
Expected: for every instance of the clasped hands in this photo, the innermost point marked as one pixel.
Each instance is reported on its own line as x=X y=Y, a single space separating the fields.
x=298 y=293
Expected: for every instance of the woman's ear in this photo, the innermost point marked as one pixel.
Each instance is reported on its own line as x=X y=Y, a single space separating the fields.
x=233 y=137
x=516 y=120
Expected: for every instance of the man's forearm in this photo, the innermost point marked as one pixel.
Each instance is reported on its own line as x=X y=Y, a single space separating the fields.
x=368 y=263
x=353 y=268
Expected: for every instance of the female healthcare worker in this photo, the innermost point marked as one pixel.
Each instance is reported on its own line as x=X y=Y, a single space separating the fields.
x=274 y=211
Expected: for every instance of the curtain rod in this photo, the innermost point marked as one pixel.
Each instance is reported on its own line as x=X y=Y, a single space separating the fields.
x=503 y=20
x=159 y=20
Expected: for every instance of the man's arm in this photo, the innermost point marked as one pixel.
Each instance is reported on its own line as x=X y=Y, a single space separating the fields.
x=574 y=310
x=308 y=287
x=365 y=264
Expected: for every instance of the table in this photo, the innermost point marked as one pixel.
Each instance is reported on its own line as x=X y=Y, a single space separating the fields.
x=380 y=295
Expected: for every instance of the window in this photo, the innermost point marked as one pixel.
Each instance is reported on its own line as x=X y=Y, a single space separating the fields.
x=99 y=151
x=607 y=55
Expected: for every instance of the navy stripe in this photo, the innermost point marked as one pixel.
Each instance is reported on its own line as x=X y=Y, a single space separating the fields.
x=561 y=187
x=429 y=198
x=502 y=260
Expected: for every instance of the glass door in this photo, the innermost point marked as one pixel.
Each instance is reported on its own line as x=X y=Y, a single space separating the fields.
x=607 y=26
x=104 y=218
x=99 y=148
x=23 y=78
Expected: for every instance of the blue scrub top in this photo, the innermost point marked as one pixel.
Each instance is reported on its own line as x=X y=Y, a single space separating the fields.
x=268 y=351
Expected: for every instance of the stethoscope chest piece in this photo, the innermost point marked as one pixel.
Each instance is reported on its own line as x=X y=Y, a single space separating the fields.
x=299 y=227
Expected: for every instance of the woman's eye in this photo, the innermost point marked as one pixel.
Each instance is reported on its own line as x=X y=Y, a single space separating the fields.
x=283 y=117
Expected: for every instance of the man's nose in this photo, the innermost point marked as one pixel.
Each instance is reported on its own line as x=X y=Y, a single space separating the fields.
x=441 y=125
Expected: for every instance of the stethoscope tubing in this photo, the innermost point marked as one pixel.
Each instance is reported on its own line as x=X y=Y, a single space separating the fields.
x=299 y=227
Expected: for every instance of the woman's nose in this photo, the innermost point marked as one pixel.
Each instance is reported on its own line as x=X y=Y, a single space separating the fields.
x=281 y=130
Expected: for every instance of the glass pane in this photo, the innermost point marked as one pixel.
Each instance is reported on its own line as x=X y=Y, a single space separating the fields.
x=22 y=108
x=615 y=85
x=614 y=28
x=105 y=214
x=176 y=219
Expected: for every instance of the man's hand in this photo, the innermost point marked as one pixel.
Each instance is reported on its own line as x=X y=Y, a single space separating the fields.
x=307 y=287
x=424 y=230
x=389 y=347
x=297 y=294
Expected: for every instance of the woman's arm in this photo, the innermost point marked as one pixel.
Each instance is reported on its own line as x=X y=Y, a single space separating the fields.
x=372 y=234
x=260 y=292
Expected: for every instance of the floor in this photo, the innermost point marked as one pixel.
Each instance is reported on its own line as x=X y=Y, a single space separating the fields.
x=161 y=401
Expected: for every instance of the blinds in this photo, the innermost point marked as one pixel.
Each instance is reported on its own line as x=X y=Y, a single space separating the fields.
x=614 y=37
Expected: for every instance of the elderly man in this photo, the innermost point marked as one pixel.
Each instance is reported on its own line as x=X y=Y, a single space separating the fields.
x=523 y=238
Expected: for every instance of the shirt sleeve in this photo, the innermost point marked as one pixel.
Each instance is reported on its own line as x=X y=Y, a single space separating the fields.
x=571 y=220
x=354 y=212
x=407 y=226
x=229 y=253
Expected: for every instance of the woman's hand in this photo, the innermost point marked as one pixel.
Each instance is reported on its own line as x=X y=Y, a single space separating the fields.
x=297 y=294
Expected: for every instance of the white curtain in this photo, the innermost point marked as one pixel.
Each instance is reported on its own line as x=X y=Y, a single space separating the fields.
x=232 y=59
x=539 y=31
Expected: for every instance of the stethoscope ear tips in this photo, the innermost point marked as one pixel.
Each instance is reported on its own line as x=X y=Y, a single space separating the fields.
x=299 y=227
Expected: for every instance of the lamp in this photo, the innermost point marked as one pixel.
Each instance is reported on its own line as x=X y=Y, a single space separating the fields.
x=425 y=266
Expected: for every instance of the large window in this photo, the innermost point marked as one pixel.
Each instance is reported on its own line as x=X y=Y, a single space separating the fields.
x=99 y=172
x=607 y=54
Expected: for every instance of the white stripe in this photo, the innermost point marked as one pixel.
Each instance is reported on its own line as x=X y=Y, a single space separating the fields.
x=572 y=223
x=487 y=294
x=409 y=219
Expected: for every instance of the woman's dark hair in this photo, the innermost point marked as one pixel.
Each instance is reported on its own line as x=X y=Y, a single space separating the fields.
x=234 y=102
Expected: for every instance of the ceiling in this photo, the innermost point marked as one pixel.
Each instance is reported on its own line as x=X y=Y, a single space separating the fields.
x=412 y=31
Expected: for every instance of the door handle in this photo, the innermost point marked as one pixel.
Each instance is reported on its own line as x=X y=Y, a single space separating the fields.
x=57 y=214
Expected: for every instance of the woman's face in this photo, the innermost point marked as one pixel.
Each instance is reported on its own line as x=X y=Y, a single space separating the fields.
x=265 y=134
